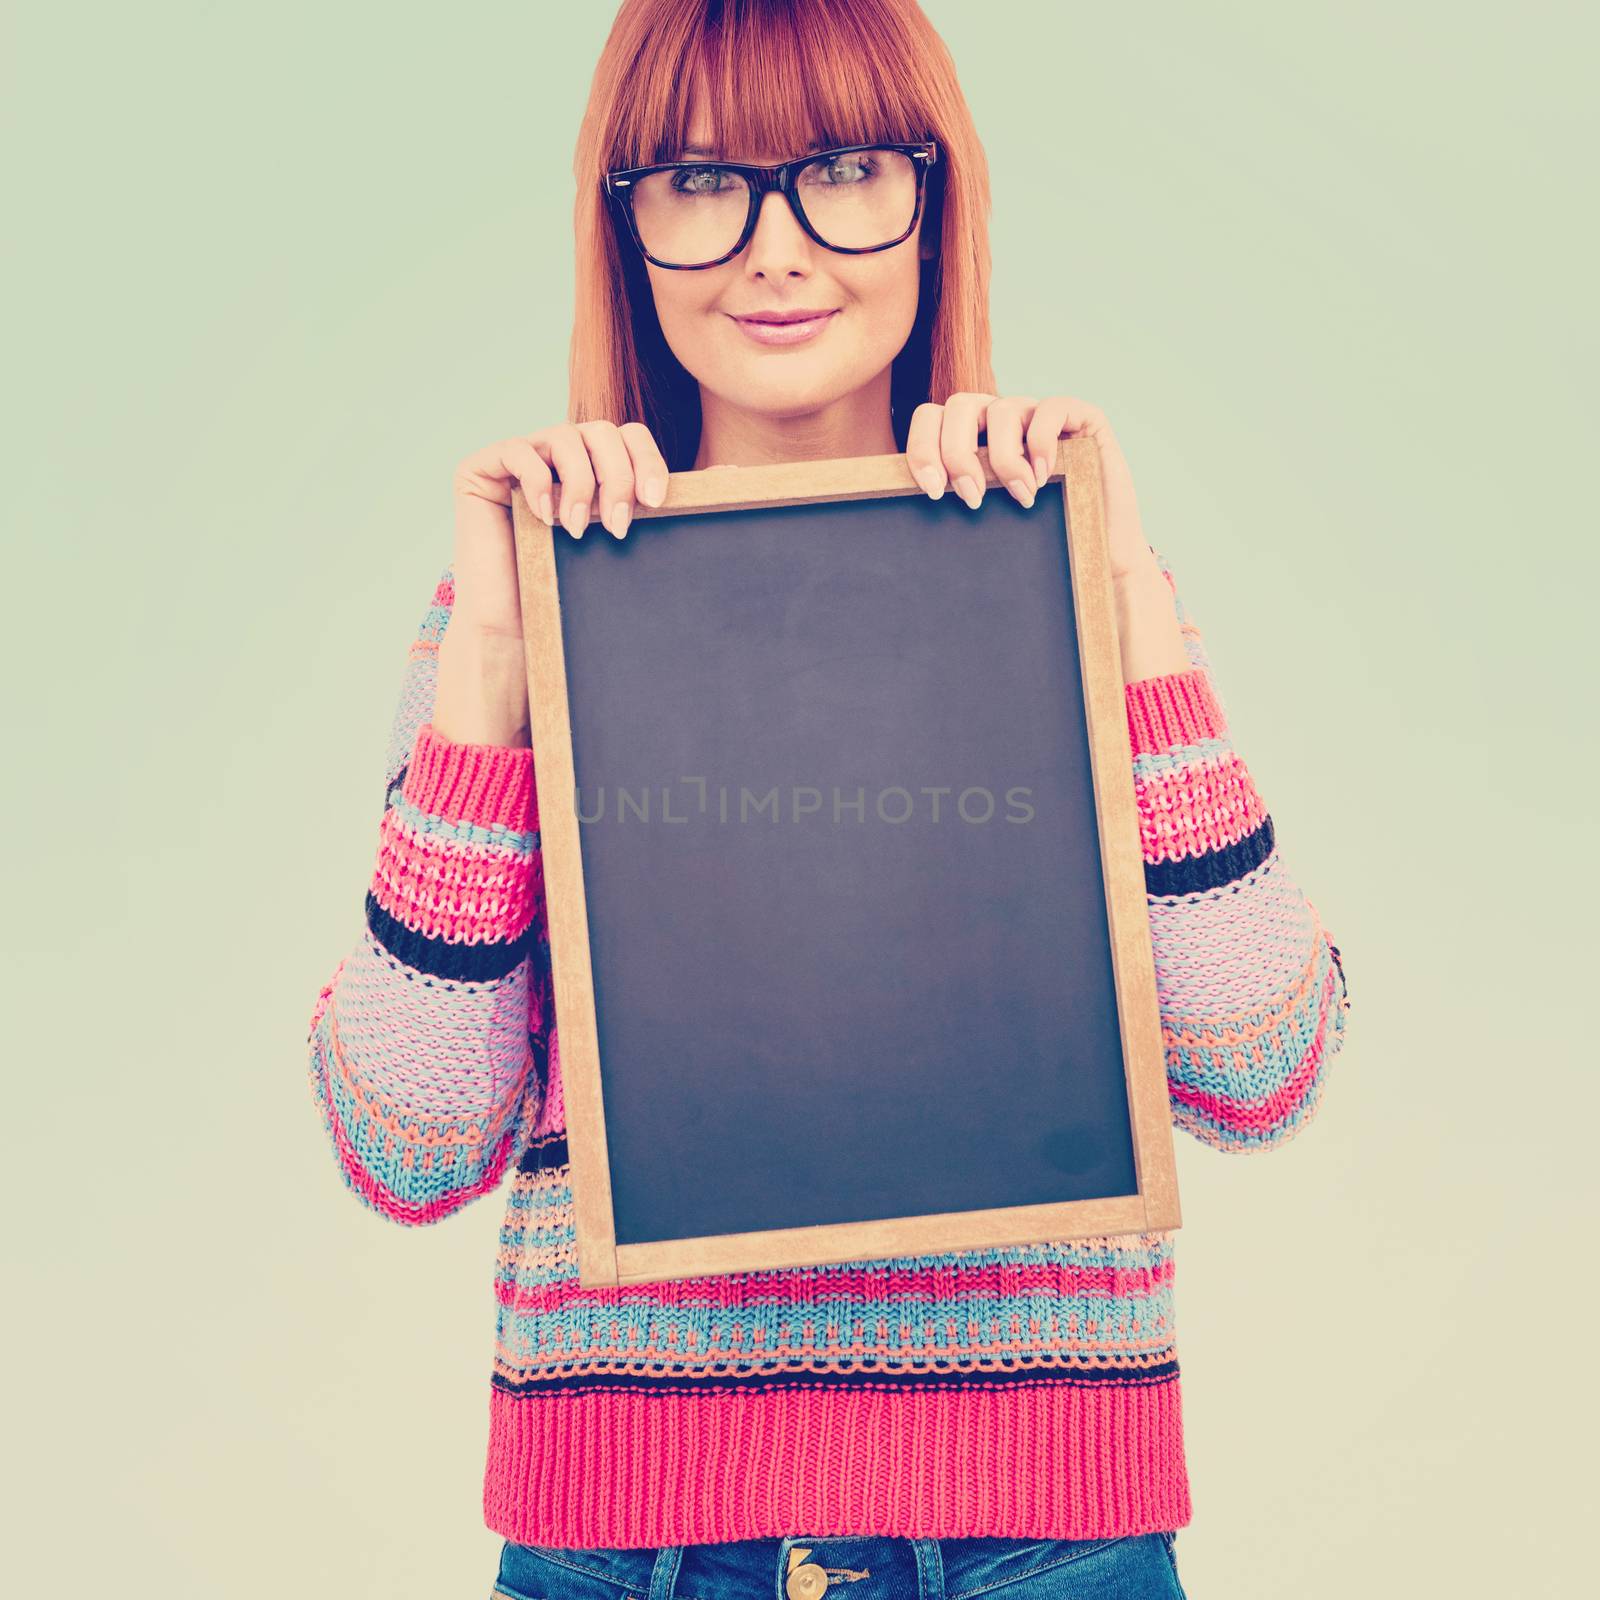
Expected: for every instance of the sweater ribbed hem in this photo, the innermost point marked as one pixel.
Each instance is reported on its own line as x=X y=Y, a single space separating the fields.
x=486 y=784
x=1172 y=709
x=619 y=1470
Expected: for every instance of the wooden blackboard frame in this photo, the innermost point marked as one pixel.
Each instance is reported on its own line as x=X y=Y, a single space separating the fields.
x=601 y=1260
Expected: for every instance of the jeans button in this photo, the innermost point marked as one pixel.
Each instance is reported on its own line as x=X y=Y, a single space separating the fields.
x=805 y=1580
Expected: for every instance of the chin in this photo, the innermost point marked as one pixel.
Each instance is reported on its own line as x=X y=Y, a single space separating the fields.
x=781 y=394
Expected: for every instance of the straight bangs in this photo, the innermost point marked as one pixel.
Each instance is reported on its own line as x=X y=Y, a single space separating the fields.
x=777 y=77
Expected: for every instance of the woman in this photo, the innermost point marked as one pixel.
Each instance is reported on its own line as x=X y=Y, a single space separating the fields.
x=1004 y=1421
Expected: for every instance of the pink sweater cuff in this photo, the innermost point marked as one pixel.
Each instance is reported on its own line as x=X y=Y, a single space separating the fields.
x=1173 y=709
x=486 y=784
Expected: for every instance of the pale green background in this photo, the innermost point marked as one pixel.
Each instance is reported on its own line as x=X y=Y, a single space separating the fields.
x=275 y=269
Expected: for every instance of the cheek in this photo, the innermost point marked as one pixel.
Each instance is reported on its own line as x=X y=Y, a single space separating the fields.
x=889 y=297
x=675 y=297
x=684 y=302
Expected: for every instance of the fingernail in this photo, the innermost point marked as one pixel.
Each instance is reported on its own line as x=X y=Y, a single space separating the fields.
x=652 y=491
x=969 y=491
x=617 y=518
x=1041 y=471
x=1022 y=489
x=546 y=508
x=580 y=518
x=932 y=481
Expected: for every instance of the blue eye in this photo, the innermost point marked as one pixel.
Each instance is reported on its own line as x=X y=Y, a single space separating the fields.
x=698 y=178
x=843 y=171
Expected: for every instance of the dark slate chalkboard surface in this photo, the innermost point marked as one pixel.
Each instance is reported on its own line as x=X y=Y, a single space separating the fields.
x=810 y=1014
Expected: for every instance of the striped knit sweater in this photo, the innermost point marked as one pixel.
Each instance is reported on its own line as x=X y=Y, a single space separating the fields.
x=1025 y=1392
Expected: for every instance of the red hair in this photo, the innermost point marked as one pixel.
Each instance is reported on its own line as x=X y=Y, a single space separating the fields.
x=782 y=73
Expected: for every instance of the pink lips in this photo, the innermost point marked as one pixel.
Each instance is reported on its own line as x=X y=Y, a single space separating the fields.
x=786 y=327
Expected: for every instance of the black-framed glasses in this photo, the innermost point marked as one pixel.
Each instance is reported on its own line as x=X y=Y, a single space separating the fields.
x=854 y=199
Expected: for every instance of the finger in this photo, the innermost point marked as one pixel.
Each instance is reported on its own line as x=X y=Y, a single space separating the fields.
x=964 y=417
x=1044 y=435
x=484 y=559
x=1007 y=418
x=649 y=465
x=614 y=470
x=484 y=474
x=1124 y=528
x=922 y=448
x=528 y=465
x=576 y=474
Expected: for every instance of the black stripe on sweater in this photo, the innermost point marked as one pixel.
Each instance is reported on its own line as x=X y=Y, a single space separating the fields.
x=439 y=958
x=1214 y=869
x=551 y=1150
x=768 y=1382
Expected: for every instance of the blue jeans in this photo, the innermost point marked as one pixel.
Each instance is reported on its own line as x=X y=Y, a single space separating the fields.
x=1137 y=1566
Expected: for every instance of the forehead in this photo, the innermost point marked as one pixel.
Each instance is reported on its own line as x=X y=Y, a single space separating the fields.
x=770 y=83
x=702 y=142
x=779 y=139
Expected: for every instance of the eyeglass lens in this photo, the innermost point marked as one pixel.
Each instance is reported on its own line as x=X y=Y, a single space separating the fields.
x=695 y=212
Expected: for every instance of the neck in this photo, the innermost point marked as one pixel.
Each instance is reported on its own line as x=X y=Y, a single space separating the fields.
x=856 y=424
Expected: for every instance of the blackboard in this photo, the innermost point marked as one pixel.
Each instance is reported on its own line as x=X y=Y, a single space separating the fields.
x=830 y=899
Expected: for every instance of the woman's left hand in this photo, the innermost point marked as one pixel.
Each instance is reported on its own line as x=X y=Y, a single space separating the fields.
x=1022 y=433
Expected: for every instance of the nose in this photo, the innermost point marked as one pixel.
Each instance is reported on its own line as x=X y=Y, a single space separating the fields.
x=779 y=244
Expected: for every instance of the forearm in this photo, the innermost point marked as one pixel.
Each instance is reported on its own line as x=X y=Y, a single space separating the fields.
x=1148 y=633
x=1251 y=987
x=482 y=691
x=425 y=1045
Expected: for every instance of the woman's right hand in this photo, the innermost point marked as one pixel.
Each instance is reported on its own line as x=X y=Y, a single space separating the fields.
x=597 y=464
x=481 y=691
